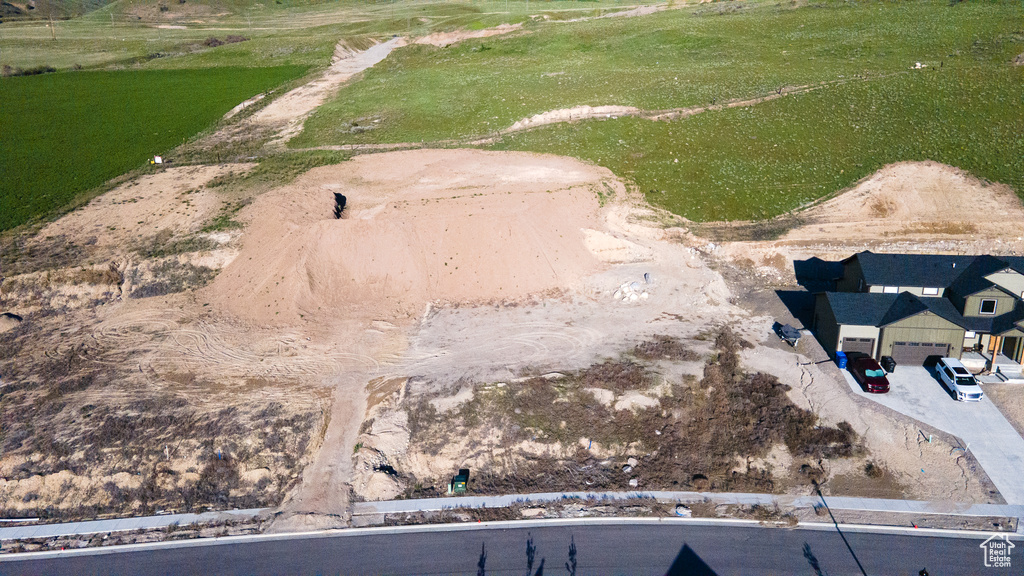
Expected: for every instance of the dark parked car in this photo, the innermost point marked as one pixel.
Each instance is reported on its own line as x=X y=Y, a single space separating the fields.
x=869 y=374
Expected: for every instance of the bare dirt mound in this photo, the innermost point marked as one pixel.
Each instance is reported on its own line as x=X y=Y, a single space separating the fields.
x=572 y=114
x=418 y=226
x=638 y=11
x=915 y=200
x=173 y=199
x=442 y=39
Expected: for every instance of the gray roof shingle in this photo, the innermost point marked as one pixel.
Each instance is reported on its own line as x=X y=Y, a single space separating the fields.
x=930 y=270
x=876 y=309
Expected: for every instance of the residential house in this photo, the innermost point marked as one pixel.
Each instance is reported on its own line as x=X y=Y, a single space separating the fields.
x=913 y=306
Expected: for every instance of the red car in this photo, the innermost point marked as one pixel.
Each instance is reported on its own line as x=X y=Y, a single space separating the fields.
x=869 y=374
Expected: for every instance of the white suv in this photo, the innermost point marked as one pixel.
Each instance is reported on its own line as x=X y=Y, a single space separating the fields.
x=959 y=380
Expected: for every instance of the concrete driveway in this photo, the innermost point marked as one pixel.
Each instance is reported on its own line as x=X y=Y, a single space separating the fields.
x=916 y=392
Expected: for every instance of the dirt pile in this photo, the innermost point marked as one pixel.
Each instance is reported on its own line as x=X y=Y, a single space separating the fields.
x=419 y=227
x=904 y=207
x=915 y=198
x=442 y=39
x=570 y=114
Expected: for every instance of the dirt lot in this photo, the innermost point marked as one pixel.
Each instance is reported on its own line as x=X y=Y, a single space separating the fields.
x=1010 y=400
x=160 y=366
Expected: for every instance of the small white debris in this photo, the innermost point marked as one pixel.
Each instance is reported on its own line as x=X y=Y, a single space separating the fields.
x=627 y=469
x=683 y=511
x=633 y=482
x=632 y=461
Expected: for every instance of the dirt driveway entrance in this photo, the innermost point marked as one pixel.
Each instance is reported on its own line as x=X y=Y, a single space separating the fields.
x=916 y=392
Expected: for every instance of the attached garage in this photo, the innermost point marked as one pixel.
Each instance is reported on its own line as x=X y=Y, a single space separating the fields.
x=916 y=353
x=908 y=328
x=864 y=346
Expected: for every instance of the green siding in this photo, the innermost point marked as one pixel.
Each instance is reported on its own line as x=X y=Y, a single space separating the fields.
x=852 y=276
x=923 y=327
x=972 y=305
x=825 y=326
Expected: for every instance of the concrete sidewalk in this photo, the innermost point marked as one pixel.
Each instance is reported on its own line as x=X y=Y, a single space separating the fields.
x=834 y=502
x=125 y=524
x=438 y=504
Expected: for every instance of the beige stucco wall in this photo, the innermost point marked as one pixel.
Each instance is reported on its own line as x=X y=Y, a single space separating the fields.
x=851 y=331
x=971 y=342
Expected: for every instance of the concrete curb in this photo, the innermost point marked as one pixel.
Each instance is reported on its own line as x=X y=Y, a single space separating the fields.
x=497 y=525
x=125 y=524
x=834 y=502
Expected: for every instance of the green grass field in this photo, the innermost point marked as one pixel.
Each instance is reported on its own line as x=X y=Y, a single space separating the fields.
x=758 y=162
x=283 y=32
x=964 y=108
x=732 y=164
x=66 y=133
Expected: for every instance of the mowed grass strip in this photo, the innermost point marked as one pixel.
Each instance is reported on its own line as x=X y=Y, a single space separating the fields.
x=677 y=58
x=762 y=161
x=63 y=134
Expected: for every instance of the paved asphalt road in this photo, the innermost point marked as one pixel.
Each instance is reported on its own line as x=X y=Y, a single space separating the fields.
x=678 y=549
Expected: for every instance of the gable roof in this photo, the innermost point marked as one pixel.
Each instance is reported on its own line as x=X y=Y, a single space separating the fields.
x=876 y=309
x=860 y=308
x=1015 y=263
x=930 y=270
x=934 y=270
x=1009 y=321
x=972 y=279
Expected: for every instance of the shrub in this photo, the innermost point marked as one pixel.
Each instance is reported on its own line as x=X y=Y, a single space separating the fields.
x=873 y=470
x=664 y=348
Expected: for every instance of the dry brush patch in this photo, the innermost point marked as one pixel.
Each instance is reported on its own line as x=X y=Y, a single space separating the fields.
x=82 y=439
x=616 y=425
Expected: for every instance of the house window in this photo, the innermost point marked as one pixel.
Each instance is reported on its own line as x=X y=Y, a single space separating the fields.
x=890 y=289
x=970 y=335
x=988 y=306
x=930 y=292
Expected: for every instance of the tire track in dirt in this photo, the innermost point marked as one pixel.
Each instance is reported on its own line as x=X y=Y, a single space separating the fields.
x=158 y=343
x=526 y=345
